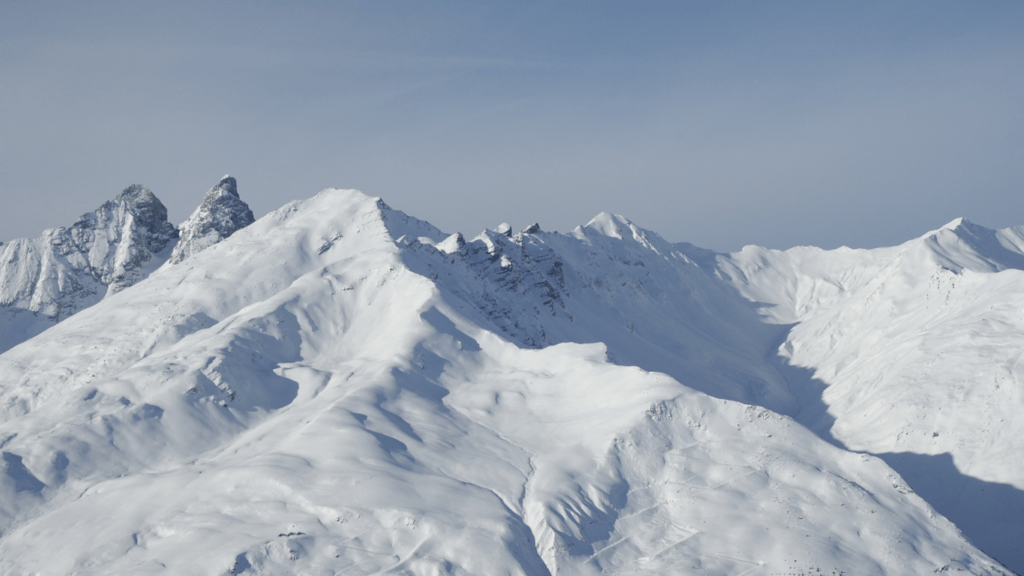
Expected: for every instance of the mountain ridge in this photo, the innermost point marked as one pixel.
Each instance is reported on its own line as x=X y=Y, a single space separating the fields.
x=342 y=385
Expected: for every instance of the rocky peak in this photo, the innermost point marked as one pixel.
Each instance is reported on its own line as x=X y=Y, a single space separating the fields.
x=46 y=279
x=221 y=214
x=114 y=242
x=139 y=217
x=227 y=184
x=146 y=208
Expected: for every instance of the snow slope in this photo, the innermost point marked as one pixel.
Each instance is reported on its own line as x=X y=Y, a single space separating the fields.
x=919 y=348
x=341 y=388
x=910 y=353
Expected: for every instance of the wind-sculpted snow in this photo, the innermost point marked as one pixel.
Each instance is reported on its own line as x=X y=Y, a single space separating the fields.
x=47 y=279
x=221 y=214
x=340 y=388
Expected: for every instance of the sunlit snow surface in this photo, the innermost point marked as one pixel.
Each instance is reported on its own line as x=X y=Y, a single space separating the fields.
x=342 y=389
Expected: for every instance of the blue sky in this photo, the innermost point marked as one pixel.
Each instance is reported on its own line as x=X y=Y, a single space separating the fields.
x=717 y=123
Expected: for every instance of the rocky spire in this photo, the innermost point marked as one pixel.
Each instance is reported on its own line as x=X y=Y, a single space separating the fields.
x=221 y=214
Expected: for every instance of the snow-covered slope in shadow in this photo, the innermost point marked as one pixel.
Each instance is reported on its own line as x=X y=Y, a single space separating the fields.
x=320 y=393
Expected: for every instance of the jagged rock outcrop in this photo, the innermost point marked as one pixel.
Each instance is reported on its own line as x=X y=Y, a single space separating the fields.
x=61 y=271
x=46 y=279
x=221 y=214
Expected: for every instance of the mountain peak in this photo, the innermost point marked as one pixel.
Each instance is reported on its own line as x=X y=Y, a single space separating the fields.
x=227 y=184
x=221 y=214
x=608 y=224
x=962 y=244
x=531 y=229
x=133 y=193
x=960 y=222
x=142 y=203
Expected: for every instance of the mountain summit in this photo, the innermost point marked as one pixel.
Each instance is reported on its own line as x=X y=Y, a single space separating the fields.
x=221 y=214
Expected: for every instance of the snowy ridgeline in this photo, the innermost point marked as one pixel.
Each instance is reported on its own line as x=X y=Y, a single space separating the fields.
x=341 y=388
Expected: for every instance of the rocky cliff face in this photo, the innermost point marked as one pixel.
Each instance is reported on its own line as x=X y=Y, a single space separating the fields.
x=46 y=279
x=221 y=214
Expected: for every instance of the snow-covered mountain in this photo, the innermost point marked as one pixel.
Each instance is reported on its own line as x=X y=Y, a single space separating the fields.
x=47 y=279
x=342 y=388
x=918 y=347
x=221 y=214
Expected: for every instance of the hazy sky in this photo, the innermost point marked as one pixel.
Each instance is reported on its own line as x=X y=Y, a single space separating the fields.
x=719 y=123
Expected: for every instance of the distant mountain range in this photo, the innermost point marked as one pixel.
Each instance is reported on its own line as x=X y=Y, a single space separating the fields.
x=341 y=388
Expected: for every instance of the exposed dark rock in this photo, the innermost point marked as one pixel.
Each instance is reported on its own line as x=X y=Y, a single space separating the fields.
x=221 y=214
x=46 y=279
